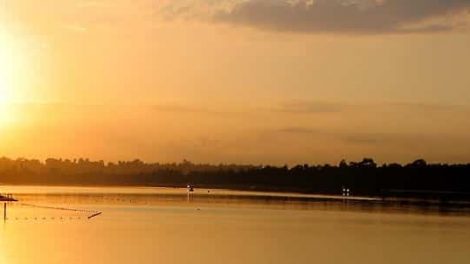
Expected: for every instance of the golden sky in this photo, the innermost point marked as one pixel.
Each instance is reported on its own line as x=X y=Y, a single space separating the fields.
x=249 y=81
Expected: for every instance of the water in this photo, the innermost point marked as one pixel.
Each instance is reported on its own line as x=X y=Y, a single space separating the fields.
x=152 y=225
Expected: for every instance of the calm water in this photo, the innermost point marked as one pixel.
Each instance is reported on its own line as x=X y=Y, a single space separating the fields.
x=151 y=225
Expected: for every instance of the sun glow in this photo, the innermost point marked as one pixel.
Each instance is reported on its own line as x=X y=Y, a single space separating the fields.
x=7 y=66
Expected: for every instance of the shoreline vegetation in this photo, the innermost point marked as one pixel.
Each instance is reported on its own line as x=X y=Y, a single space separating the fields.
x=443 y=183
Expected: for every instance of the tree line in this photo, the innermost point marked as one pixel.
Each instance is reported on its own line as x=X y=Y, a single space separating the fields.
x=365 y=178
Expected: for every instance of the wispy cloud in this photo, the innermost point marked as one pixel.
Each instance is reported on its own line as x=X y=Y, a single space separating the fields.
x=364 y=138
x=75 y=28
x=324 y=107
x=310 y=107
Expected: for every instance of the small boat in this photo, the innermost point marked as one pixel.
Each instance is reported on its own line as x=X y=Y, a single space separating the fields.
x=190 y=188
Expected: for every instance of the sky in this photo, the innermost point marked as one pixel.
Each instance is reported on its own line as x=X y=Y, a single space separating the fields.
x=236 y=81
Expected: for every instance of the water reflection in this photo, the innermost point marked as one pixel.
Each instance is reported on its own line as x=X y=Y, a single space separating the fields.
x=174 y=196
x=159 y=226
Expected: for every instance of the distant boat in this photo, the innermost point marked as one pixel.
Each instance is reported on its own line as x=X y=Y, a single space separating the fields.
x=190 y=188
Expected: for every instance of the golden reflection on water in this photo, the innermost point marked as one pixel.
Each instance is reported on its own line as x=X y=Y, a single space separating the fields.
x=140 y=226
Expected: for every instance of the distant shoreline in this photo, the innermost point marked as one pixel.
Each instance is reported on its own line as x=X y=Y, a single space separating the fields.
x=283 y=196
x=445 y=183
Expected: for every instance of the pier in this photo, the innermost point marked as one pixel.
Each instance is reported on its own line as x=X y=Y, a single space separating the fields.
x=6 y=198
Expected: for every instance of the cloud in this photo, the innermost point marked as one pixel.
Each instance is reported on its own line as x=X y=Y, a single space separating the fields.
x=346 y=16
x=360 y=137
x=324 y=107
x=75 y=28
x=301 y=131
x=310 y=107
x=428 y=107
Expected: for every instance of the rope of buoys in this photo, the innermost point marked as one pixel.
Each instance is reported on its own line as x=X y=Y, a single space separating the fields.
x=26 y=218
x=93 y=213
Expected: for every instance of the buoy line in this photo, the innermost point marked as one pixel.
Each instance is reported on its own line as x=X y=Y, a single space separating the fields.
x=93 y=213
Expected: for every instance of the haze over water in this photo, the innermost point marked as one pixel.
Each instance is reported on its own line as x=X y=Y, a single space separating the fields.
x=154 y=225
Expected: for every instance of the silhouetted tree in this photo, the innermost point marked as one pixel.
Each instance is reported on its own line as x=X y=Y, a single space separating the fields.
x=416 y=179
